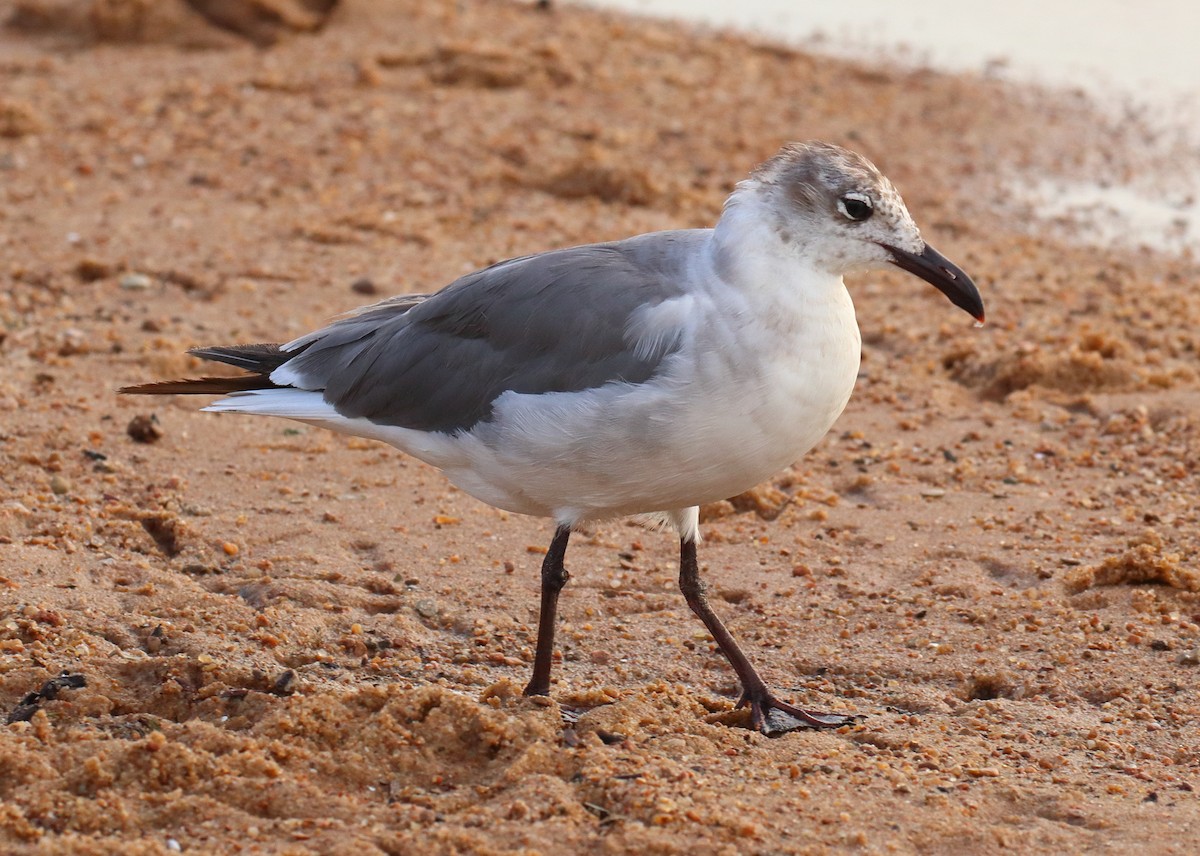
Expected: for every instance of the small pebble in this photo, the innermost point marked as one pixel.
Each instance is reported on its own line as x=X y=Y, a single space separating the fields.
x=135 y=282
x=426 y=608
x=59 y=485
x=90 y=270
x=19 y=119
x=283 y=685
x=144 y=429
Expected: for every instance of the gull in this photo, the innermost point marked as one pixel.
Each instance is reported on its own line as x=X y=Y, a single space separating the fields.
x=643 y=377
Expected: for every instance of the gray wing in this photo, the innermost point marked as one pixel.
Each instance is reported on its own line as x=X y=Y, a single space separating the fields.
x=553 y=322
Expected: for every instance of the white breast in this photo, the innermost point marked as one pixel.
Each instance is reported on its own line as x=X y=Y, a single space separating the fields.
x=753 y=387
x=763 y=355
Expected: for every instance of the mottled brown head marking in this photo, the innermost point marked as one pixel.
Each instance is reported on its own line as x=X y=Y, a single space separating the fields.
x=834 y=212
x=817 y=175
x=832 y=205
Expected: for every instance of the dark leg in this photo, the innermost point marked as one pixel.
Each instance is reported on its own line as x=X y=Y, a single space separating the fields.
x=767 y=714
x=554 y=577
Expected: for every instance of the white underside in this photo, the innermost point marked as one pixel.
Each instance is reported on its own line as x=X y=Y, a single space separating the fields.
x=760 y=376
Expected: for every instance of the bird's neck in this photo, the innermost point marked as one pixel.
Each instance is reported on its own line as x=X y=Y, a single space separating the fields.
x=754 y=251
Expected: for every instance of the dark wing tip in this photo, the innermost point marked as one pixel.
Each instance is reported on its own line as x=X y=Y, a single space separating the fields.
x=199 y=386
x=262 y=358
x=259 y=360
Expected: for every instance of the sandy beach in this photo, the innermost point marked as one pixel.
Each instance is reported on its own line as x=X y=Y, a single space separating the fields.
x=238 y=635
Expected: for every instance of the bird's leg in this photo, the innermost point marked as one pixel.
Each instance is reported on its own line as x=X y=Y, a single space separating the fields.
x=767 y=714
x=554 y=577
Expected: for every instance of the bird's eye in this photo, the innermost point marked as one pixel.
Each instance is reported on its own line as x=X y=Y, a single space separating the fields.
x=856 y=206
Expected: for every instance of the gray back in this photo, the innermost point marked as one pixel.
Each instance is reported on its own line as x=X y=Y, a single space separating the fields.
x=553 y=322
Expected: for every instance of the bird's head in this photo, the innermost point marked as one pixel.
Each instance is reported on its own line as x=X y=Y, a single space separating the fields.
x=834 y=208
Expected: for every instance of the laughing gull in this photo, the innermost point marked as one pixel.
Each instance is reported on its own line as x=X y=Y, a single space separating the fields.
x=641 y=377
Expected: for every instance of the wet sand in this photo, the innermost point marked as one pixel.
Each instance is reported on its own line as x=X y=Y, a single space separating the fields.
x=295 y=642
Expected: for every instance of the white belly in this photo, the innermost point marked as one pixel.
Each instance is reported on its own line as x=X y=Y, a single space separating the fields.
x=764 y=355
x=717 y=420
